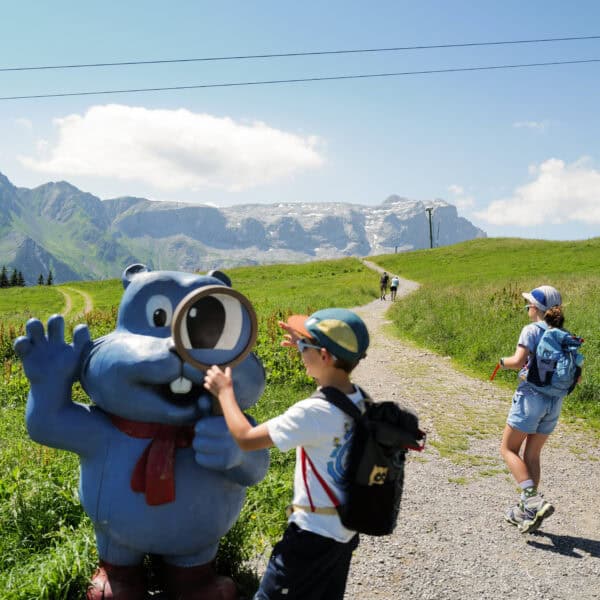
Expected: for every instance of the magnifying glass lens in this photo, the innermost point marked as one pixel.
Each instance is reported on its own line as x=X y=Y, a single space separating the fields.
x=214 y=325
x=204 y=322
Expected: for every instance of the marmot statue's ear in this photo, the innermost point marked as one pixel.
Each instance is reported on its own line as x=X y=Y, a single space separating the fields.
x=131 y=271
x=221 y=276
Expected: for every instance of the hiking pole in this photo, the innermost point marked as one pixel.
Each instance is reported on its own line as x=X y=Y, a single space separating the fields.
x=495 y=371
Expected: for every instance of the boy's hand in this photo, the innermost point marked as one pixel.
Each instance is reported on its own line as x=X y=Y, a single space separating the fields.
x=291 y=337
x=216 y=380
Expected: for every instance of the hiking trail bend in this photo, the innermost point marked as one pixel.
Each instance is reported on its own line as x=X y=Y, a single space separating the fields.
x=88 y=303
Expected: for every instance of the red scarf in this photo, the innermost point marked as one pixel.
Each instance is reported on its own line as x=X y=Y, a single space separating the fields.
x=154 y=472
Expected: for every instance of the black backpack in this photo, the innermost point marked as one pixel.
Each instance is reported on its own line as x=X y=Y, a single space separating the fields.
x=374 y=476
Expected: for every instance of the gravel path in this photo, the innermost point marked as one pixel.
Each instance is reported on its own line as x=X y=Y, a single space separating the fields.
x=451 y=541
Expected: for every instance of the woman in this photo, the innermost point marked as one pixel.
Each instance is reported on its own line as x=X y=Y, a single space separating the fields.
x=533 y=414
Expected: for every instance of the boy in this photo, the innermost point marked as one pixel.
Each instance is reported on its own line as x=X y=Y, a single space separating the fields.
x=312 y=560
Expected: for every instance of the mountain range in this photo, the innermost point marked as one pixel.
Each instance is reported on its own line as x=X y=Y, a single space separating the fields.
x=58 y=227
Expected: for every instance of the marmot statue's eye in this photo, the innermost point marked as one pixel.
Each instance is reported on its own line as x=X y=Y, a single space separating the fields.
x=160 y=317
x=159 y=311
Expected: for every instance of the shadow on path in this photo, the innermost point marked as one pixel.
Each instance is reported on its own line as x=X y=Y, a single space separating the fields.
x=567 y=545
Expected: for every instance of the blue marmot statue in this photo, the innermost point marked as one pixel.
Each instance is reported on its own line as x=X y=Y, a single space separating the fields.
x=160 y=473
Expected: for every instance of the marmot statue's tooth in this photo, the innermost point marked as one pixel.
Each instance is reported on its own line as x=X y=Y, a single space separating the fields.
x=181 y=385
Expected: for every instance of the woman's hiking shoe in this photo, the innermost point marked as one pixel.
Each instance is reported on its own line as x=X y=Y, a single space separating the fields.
x=515 y=514
x=535 y=510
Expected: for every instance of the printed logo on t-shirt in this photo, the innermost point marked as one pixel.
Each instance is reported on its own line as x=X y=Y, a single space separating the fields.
x=339 y=457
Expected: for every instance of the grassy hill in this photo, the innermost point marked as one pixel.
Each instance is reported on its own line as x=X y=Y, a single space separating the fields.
x=469 y=307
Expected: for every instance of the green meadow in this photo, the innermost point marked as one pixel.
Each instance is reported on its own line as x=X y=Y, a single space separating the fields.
x=468 y=307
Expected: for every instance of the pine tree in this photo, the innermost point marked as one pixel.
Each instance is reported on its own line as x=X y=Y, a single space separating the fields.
x=13 y=278
x=41 y=279
x=20 y=279
x=50 y=278
x=3 y=277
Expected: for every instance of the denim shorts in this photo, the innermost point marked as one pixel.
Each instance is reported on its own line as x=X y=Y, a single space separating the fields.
x=532 y=412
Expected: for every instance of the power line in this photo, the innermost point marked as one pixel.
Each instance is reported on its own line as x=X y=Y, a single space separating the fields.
x=296 y=54
x=301 y=80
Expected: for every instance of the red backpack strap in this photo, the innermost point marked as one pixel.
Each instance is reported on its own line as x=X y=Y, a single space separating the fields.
x=303 y=458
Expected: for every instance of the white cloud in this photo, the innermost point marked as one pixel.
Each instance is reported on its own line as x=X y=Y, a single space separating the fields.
x=42 y=146
x=460 y=200
x=535 y=125
x=174 y=149
x=560 y=193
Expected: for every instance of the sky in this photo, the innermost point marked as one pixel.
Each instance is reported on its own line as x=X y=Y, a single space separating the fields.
x=516 y=150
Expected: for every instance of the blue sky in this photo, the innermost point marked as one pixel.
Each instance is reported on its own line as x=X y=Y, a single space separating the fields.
x=516 y=150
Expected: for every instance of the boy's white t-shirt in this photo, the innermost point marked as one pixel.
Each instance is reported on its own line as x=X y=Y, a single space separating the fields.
x=324 y=431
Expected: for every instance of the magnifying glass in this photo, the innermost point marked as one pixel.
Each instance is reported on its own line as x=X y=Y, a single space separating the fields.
x=214 y=325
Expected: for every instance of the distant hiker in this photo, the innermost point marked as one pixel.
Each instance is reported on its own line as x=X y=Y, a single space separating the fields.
x=533 y=414
x=313 y=558
x=394 y=287
x=383 y=284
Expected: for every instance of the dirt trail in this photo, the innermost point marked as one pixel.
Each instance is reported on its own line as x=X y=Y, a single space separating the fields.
x=452 y=541
x=88 y=303
x=68 y=302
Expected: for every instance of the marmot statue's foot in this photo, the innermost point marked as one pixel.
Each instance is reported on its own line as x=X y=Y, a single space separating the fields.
x=113 y=582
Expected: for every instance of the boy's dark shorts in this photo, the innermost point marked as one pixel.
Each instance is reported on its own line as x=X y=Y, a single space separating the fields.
x=306 y=566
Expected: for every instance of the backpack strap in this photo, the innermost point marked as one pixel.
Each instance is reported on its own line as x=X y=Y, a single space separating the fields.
x=304 y=458
x=340 y=400
x=544 y=327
